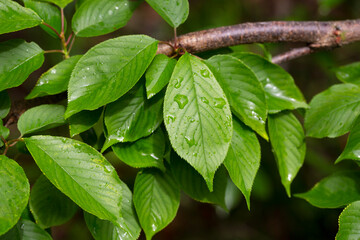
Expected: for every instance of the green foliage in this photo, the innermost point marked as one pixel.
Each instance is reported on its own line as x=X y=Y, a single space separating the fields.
x=4 y=104
x=349 y=223
x=174 y=12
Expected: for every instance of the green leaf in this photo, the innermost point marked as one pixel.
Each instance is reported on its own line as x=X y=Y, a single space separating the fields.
x=281 y=91
x=105 y=230
x=18 y=59
x=98 y=17
x=156 y=200
x=14 y=193
x=334 y=191
x=132 y=116
x=26 y=230
x=5 y=104
x=197 y=117
x=14 y=17
x=55 y=80
x=352 y=148
x=145 y=152
x=333 y=112
x=243 y=90
x=158 y=74
x=81 y=173
x=288 y=142
x=108 y=71
x=41 y=118
x=349 y=73
x=48 y=205
x=349 y=223
x=174 y=12
x=50 y=15
x=243 y=158
x=191 y=182
x=4 y=132
x=83 y=121
x=60 y=3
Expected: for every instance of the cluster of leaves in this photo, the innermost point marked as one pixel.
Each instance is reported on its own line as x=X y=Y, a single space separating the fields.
x=188 y=124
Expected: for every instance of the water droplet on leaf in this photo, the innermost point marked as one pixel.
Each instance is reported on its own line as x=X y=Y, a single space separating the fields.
x=219 y=103
x=204 y=73
x=181 y=100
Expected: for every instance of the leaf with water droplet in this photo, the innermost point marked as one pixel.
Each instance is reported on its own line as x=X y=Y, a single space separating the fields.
x=174 y=12
x=181 y=100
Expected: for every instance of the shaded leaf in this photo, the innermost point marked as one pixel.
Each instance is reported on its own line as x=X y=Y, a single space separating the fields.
x=17 y=60
x=55 y=80
x=40 y=118
x=281 y=91
x=132 y=116
x=49 y=206
x=334 y=191
x=4 y=132
x=197 y=117
x=14 y=17
x=14 y=193
x=349 y=73
x=158 y=74
x=145 y=152
x=349 y=223
x=352 y=148
x=108 y=71
x=156 y=200
x=333 y=112
x=26 y=230
x=83 y=121
x=288 y=142
x=243 y=90
x=98 y=17
x=174 y=12
x=60 y=3
x=243 y=158
x=5 y=104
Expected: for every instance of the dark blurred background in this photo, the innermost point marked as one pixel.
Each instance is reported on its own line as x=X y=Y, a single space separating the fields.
x=273 y=215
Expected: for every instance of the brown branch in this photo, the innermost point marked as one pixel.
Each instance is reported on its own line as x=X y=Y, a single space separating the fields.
x=292 y=54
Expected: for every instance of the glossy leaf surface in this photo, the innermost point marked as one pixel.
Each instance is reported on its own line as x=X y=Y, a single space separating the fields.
x=14 y=193
x=5 y=104
x=17 y=60
x=281 y=91
x=83 y=121
x=145 y=152
x=288 y=143
x=174 y=12
x=55 y=80
x=14 y=17
x=334 y=191
x=158 y=74
x=132 y=116
x=26 y=230
x=197 y=117
x=156 y=200
x=60 y=3
x=243 y=158
x=243 y=90
x=68 y=163
x=41 y=118
x=349 y=223
x=108 y=71
x=333 y=112
x=48 y=205
x=98 y=17
x=349 y=73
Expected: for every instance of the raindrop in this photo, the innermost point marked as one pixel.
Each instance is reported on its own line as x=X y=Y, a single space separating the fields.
x=177 y=84
x=53 y=71
x=219 y=103
x=190 y=141
x=110 y=12
x=181 y=100
x=204 y=100
x=204 y=73
x=170 y=119
x=107 y=168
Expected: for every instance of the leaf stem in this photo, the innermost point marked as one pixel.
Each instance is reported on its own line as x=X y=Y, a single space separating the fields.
x=53 y=29
x=54 y=51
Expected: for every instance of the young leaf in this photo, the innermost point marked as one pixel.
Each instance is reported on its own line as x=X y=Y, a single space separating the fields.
x=49 y=13
x=349 y=223
x=174 y=12
x=333 y=112
x=26 y=230
x=81 y=173
x=158 y=74
x=334 y=191
x=197 y=117
x=41 y=118
x=14 y=193
x=352 y=148
x=83 y=121
x=5 y=104
x=106 y=230
x=281 y=91
x=349 y=73
x=156 y=200
x=4 y=132
x=145 y=152
x=49 y=206
x=18 y=59
x=60 y=3
x=244 y=91
x=98 y=17
x=14 y=17
x=243 y=158
x=191 y=182
x=132 y=116
x=108 y=71
x=55 y=80
x=288 y=143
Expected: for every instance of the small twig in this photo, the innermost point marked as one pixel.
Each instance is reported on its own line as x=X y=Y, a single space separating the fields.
x=53 y=29
x=69 y=38
x=54 y=51
x=292 y=54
